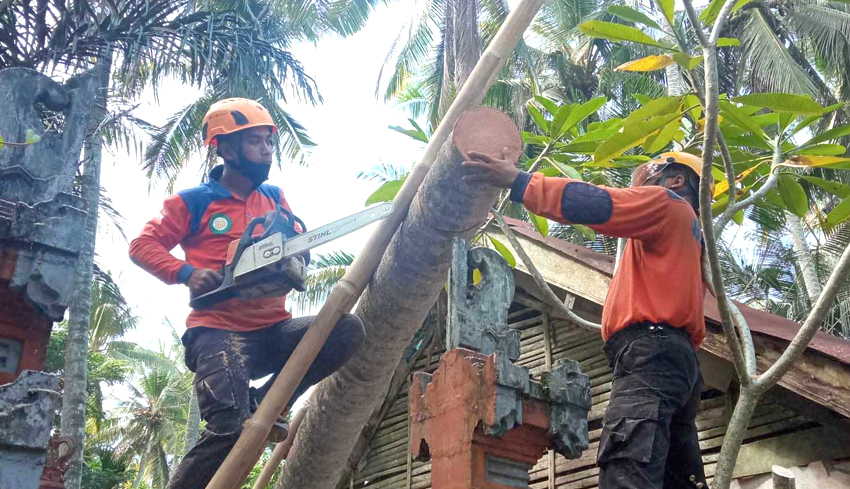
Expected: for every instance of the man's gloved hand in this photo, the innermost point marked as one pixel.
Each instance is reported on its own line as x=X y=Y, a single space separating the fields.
x=203 y=280
x=492 y=171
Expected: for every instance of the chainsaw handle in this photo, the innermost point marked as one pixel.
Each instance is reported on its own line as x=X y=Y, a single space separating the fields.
x=291 y=220
x=244 y=242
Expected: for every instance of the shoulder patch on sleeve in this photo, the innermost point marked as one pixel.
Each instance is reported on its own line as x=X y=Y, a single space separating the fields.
x=197 y=200
x=583 y=203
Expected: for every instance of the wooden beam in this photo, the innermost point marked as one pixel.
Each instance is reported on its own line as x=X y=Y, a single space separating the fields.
x=814 y=376
x=561 y=270
x=717 y=372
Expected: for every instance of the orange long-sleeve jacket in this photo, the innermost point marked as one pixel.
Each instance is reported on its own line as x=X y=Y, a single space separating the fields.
x=659 y=278
x=204 y=221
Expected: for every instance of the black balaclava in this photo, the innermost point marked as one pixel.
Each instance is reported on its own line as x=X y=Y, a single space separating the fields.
x=256 y=172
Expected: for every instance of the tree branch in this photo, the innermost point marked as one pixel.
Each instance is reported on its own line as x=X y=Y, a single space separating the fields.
x=711 y=113
x=746 y=338
x=549 y=296
x=810 y=326
x=766 y=187
x=695 y=24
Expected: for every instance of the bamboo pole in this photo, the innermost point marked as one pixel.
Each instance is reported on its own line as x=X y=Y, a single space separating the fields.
x=281 y=451
x=248 y=448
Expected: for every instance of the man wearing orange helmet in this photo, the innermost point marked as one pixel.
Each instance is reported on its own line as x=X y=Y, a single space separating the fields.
x=652 y=320
x=236 y=341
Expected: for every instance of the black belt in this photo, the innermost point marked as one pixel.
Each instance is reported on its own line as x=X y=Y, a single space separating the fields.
x=634 y=331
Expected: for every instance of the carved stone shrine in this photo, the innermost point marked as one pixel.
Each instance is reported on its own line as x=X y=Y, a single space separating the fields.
x=480 y=419
x=41 y=233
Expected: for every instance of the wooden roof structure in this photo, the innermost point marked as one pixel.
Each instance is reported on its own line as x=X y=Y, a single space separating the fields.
x=802 y=420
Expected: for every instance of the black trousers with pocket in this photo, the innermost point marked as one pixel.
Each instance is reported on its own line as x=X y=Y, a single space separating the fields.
x=649 y=436
x=224 y=363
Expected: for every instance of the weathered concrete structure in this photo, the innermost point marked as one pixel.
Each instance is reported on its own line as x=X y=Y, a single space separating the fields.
x=41 y=219
x=481 y=419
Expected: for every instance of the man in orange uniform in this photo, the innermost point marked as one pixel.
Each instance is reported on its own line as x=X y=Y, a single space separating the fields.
x=652 y=320
x=238 y=340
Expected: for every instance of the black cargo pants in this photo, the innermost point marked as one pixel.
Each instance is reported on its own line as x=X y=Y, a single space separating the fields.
x=225 y=362
x=649 y=436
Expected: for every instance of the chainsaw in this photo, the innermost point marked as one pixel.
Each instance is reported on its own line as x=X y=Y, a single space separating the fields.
x=275 y=262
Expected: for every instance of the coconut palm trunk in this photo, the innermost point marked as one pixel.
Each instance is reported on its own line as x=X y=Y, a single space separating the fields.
x=76 y=352
x=405 y=286
x=808 y=266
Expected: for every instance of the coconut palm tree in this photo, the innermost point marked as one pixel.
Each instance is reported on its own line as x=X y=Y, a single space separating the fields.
x=150 y=423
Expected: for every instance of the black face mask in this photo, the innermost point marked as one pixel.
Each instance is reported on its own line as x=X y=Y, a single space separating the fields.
x=256 y=172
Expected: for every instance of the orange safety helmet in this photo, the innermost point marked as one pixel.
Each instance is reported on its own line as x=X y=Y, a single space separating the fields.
x=651 y=168
x=234 y=114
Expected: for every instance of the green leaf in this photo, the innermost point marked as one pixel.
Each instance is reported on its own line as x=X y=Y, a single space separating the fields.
x=588 y=233
x=32 y=137
x=2 y=142
x=793 y=195
x=693 y=101
x=538 y=118
x=657 y=142
x=561 y=117
x=616 y=32
x=504 y=251
x=740 y=119
x=835 y=188
x=738 y=217
x=643 y=99
x=541 y=224
x=411 y=133
x=565 y=170
x=740 y=4
x=782 y=102
x=547 y=104
x=834 y=133
x=837 y=215
x=785 y=119
x=725 y=42
x=581 y=113
x=823 y=149
x=668 y=7
x=385 y=192
x=710 y=13
x=529 y=138
x=631 y=15
x=687 y=62
x=648 y=63
x=659 y=106
x=582 y=147
x=632 y=135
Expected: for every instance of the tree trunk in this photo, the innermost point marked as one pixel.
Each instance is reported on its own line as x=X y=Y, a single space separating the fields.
x=76 y=351
x=193 y=423
x=808 y=267
x=142 y=463
x=467 y=44
x=403 y=289
x=735 y=431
